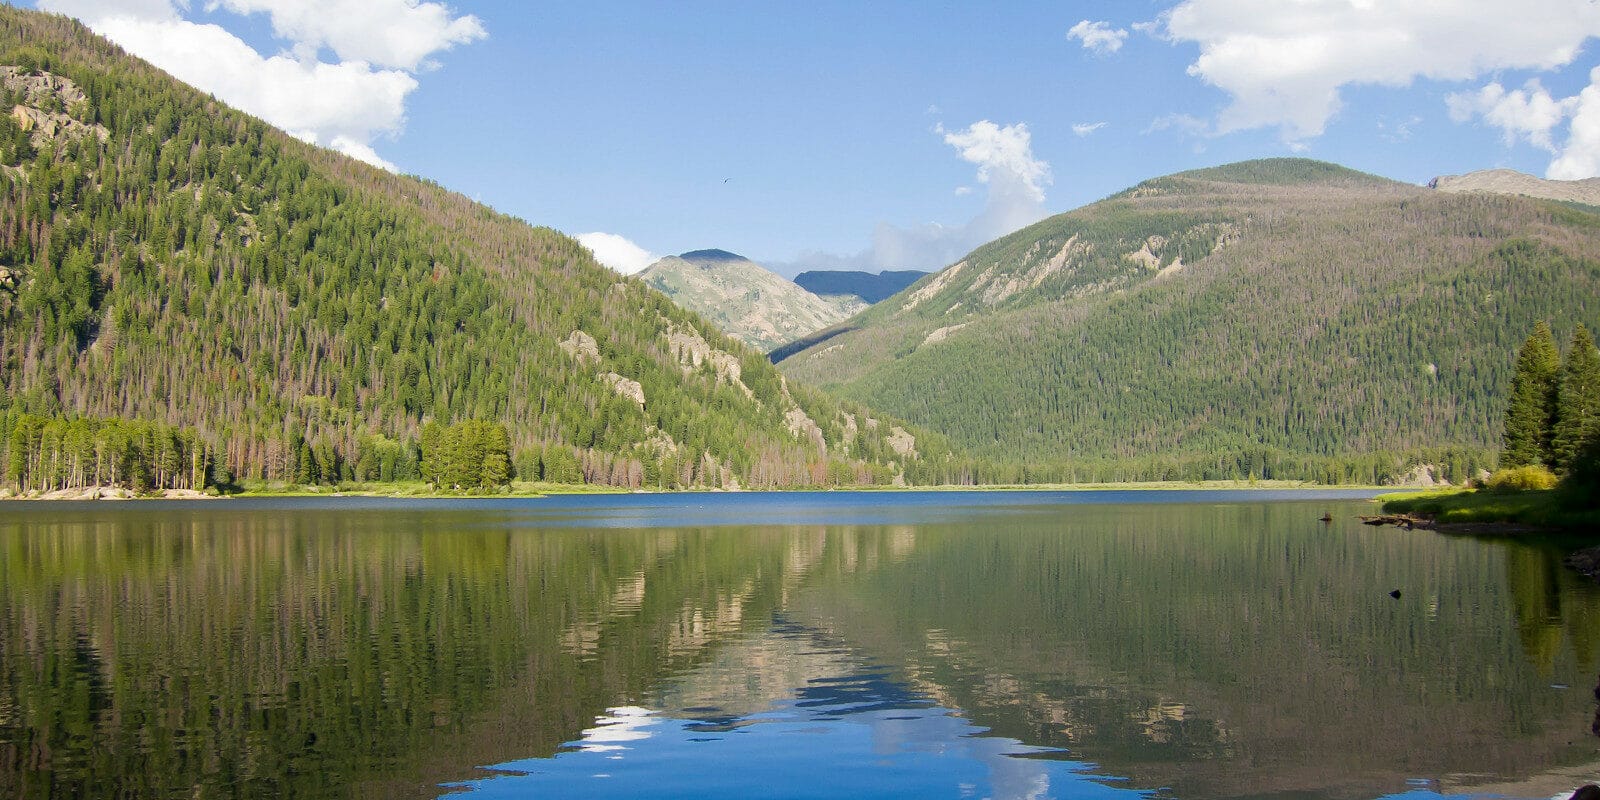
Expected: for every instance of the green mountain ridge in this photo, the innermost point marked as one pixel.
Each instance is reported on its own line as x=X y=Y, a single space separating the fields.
x=1277 y=318
x=166 y=258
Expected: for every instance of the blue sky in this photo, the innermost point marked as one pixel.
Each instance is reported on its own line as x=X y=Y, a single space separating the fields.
x=879 y=134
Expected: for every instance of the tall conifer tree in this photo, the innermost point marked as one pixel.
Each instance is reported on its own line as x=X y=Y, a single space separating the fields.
x=1577 y=412
x=1528 y=416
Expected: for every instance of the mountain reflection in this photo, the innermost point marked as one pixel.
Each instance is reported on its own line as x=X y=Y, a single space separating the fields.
x=1195 y=650
x=846 y=731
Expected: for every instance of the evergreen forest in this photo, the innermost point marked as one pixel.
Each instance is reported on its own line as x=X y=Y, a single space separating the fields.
x=1276 y=319
x=177 y=270
x=1552 y=420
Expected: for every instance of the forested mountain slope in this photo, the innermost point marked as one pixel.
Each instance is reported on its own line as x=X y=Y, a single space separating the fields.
x=168 y=259
x=1278 y=318
x=744 y=299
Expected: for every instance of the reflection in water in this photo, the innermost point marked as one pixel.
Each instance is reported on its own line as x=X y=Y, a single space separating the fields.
x=1006 y=644
x=848 y=732
x=1238 y=649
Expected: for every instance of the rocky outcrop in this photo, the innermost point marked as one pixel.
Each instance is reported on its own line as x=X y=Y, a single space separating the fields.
x=582 y=347
x=940 y=334
x=902 y=442
x=933 y=287
x=691 y=349
x=48 y=106
x=805 y=427
x=626 y=387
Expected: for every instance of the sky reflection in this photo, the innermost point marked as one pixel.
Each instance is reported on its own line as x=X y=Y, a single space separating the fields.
x=798 y=751
x=848 y=731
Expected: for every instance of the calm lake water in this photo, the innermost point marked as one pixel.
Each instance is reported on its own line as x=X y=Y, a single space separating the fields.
x=1005 y=645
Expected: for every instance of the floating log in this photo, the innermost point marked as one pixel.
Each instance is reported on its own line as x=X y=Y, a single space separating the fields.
x=1407 y=521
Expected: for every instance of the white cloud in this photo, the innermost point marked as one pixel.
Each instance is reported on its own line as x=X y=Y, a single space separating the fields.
x=1098 y=37
x=1532 y=115
x=361 y=151
x=338 y=105
x=963 y=191
x=1015 y=180
x=1284 y=63
x=388 y=33
x=1086 y=128
x=1580 y=158
x=345 y=105
x=617 y=252
x=1004 y=156
x=1529 y=113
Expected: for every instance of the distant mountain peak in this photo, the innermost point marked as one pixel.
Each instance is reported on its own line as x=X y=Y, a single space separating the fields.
x=745 y=299
x=1510 y=181
x=1282 y=172
x=720 y=256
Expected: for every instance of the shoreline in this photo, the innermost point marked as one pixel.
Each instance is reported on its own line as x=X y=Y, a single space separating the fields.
x=536 y=490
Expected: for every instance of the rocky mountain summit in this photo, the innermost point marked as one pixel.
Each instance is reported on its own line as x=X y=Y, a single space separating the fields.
x=1509 y=181
x=744 y=299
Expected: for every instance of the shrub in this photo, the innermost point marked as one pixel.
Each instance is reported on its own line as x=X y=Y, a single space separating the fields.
x=1521 y=479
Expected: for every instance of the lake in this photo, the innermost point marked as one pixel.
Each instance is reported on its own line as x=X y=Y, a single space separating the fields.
x=1182 y=644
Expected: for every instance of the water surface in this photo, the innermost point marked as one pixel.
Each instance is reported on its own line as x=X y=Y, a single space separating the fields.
x=997 y=644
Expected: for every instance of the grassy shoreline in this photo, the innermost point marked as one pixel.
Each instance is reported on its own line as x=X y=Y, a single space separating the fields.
x=1539 y=509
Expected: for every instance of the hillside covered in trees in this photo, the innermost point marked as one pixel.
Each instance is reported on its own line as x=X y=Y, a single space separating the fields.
x=1278 y=319
x=284 y=312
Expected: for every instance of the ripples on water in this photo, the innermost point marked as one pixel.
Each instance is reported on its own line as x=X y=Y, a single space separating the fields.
x=1189 y=645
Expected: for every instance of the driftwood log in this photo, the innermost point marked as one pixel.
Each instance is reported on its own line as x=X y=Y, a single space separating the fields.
x=1407 y=521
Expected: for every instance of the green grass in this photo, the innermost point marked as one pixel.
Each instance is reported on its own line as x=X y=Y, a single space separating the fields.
x=1543 y=508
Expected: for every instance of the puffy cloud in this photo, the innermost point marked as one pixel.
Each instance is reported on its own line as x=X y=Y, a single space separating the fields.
x=1580 y=157
x=388 y=33
x=1086 y=128
x=361 y=151
x=1098 y=37
x=1015 y=181
x=1004 y=156
x=617 y=252
x=345 y=105
x=1529 y=113
x=1284 y=64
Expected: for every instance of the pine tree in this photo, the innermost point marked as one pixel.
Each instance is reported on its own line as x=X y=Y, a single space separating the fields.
x=496 y=470
x=1577 y=411
x=1528 y=416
